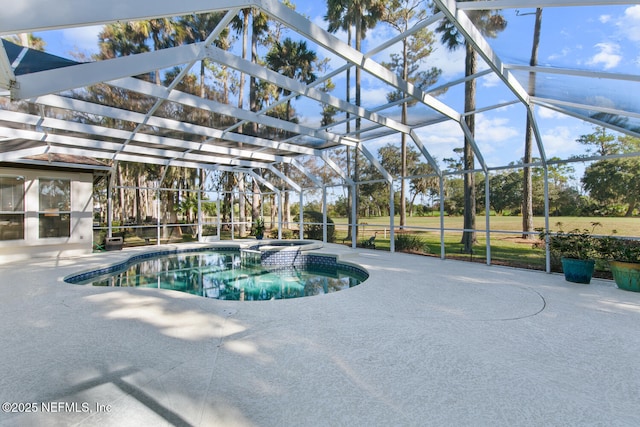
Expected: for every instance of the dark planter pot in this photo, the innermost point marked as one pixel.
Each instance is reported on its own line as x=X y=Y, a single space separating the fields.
x=259 y=236
x=626 y=275
x=578 y=270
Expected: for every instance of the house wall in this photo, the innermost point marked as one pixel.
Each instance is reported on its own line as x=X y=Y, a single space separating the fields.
x=81 y=222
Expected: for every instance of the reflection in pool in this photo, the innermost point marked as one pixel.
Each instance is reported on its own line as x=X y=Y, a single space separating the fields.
x=222 y=275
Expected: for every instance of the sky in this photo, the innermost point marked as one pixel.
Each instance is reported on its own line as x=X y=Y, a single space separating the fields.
x=600 y=39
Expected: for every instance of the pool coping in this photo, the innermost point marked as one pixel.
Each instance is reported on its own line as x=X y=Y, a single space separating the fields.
x=311 y=249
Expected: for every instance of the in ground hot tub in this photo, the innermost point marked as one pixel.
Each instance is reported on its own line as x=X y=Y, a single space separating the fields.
x=289 y=253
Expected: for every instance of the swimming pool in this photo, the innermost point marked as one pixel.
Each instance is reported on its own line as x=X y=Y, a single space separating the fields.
x=228 y=274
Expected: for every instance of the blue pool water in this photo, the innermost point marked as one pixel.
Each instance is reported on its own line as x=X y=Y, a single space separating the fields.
x=227 y=275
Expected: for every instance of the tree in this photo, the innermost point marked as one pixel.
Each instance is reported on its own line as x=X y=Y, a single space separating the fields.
x=117 y=40
x=341 y=16
x=506 y=191
x=613 y=182
x=328 y=111
x=422 y=184
x=489 y=23
x=259 y=25
x=603 y=142
x=361 y=15
x=402 y=15
x=559 y=174
x=294 y=60
x=196 y=28
x=527 y=200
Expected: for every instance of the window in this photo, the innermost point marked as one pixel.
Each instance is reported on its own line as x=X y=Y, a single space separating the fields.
x=11 y=207
x=55 y=208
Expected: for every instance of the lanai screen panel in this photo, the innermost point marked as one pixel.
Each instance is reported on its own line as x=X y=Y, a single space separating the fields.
x=167 y=120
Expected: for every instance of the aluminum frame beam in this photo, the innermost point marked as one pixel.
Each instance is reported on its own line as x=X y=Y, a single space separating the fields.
x=262 y=73
x=19 y=17
x=524 y=4
x=95 y=130
x=169 y=124
x=102 y=148
x=90 y=73
x=481 y=46
x=290 y=18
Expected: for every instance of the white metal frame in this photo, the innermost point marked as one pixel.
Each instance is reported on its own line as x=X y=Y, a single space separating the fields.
x=225 y=149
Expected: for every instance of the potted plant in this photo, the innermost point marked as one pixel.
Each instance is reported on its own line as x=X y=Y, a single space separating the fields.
x=623 y=256
x=259 y=228
x=577 y=250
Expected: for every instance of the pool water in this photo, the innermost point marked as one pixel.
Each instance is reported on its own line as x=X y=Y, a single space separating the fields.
x=222 y=275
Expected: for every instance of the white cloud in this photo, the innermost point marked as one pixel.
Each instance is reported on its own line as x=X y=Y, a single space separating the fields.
x=547 y=113
x=608 y=56
x=450 y=62
x=604 y=18
x=560 y=142
x=629 y=23
x=491 y=80
x=442 y=138
x=562 y=54
x=603 y=101
x=494 y=137
x=373 y=96
x=495 y=130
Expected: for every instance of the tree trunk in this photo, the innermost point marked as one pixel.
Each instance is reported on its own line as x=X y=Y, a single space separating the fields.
x=527 y=201
x=121 y=195
x=348 y=150
x=287 y=204
x=411 y=203
x=274 y=210
x=632 y=205
x=356 y=166
x=469 y=237
x=242 y=214
x=403 y=181
x=253 y=106
x=403 y=148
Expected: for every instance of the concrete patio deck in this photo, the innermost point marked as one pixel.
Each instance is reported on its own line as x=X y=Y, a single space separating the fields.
x=423 y=342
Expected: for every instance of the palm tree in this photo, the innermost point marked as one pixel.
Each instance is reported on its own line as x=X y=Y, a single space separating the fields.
x=527 y=201
x=259 y=24
x=341 y=18
x=116 y=40
x=195 y=29
x=363 y=15
x=489 y=23
x=294 y=60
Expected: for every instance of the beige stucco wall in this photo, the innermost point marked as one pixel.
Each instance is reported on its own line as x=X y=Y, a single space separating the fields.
x=80 y=240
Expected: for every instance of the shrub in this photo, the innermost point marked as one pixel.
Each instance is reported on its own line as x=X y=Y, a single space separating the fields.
x=616 y=249
x=576 y=244
x=410 y=243
x=314 y=231
x=286 y=233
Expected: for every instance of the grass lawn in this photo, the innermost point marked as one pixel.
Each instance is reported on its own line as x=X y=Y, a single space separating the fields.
x=507 y=245
x=624 y=226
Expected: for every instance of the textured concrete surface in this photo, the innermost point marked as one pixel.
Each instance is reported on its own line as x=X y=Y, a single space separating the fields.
x=423 y=342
